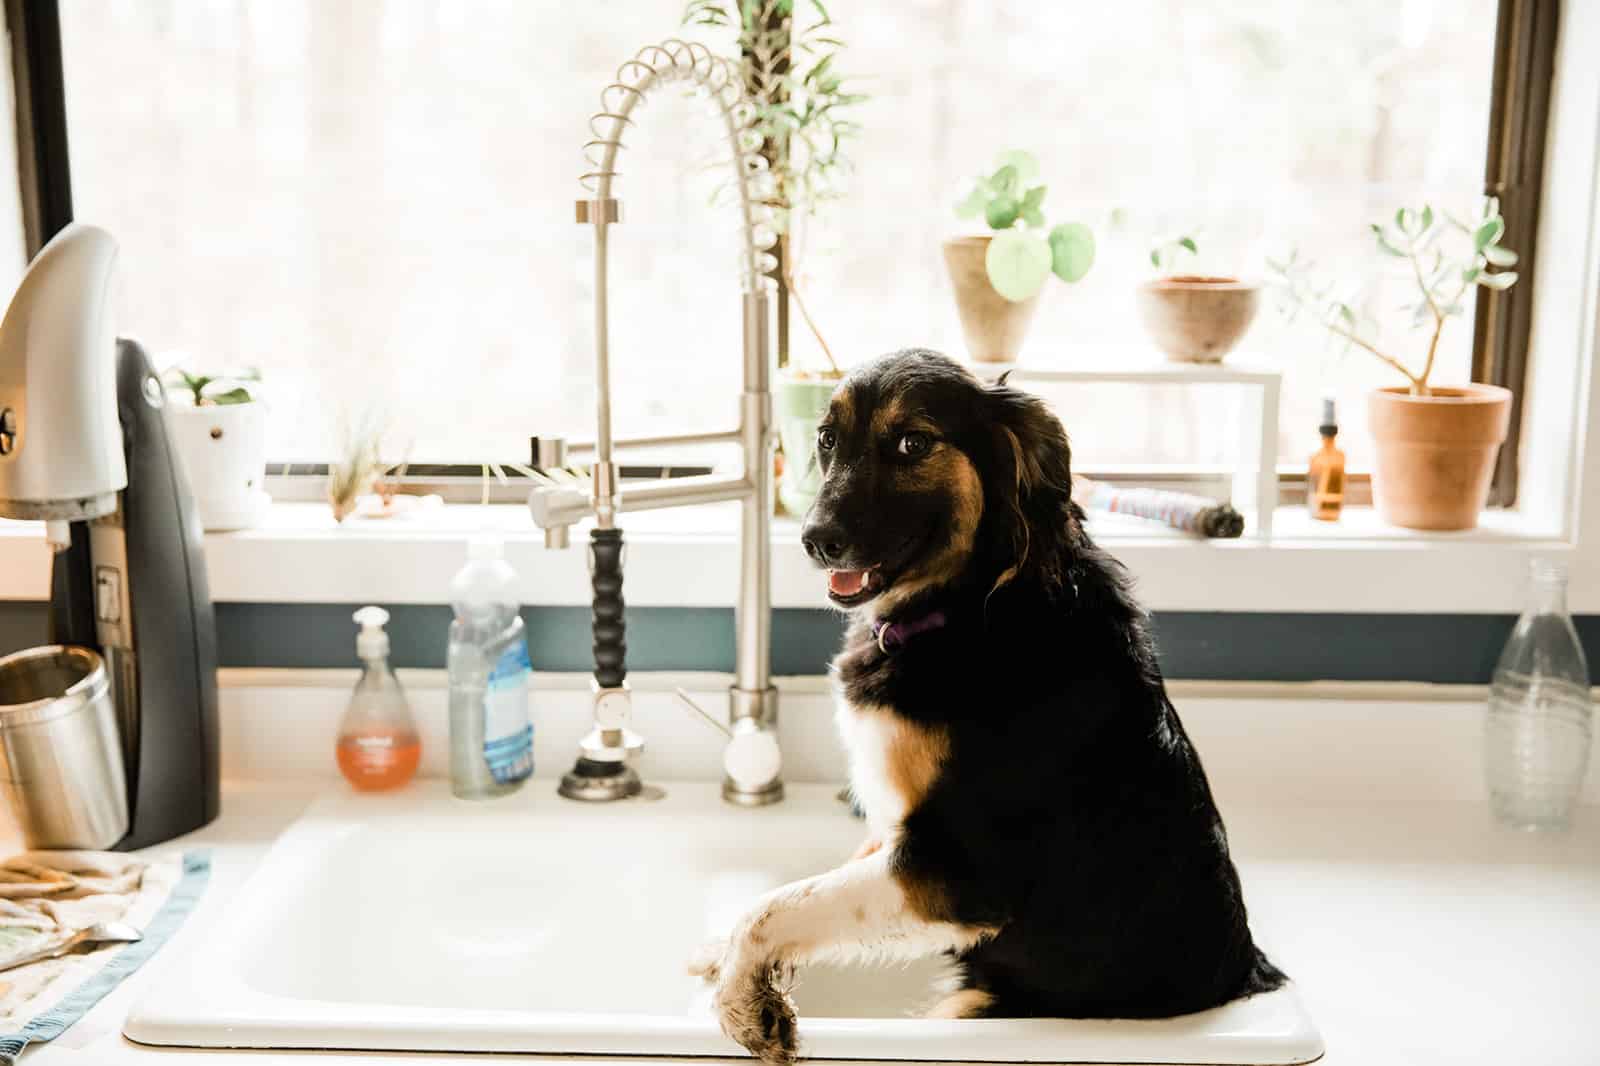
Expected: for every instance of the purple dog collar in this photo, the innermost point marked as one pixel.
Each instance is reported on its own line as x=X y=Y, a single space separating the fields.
x=892 y=635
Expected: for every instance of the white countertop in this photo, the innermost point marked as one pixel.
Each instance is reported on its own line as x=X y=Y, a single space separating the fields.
x=1417 y=933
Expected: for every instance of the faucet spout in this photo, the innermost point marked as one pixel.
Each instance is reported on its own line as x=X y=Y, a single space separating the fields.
x=602 y=772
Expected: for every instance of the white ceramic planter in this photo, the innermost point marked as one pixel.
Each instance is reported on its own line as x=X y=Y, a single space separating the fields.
x=224 y=456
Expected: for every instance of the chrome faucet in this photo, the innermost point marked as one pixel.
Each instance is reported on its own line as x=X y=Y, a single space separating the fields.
x=753 y=767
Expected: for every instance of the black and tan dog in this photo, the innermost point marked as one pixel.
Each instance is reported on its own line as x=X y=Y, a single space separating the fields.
x=1037 y=810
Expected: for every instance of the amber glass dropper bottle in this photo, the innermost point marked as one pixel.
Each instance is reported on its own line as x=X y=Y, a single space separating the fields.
x=1325 y=486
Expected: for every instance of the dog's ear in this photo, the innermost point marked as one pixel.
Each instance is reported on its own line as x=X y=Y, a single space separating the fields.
x=1032 y=489
x=1031 y=443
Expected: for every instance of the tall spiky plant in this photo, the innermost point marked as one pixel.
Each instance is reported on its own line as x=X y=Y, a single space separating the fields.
x=801 y=100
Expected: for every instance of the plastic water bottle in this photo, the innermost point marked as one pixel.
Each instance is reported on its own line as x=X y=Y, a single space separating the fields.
x=1537 y=738
x=491 y=736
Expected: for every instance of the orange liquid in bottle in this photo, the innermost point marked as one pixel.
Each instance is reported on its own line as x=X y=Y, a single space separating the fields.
x=373 y=762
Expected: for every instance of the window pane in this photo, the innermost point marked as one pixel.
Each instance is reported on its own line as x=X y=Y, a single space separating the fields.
x=372 y=200
x=1265 y=125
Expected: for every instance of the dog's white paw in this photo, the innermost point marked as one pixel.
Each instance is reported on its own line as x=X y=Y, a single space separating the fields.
x=755 y=1009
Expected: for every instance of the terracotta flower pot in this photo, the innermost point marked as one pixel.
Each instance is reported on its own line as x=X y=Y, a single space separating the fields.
x=1197 y=319
x=993 y=326
x=1436 y=453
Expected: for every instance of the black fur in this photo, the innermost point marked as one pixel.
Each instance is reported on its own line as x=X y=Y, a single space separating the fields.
x=1072 y=810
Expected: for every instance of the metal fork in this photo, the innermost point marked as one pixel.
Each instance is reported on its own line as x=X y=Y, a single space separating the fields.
x=99 y=933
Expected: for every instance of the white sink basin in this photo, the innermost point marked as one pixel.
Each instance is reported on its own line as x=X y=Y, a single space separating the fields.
x=534 y=924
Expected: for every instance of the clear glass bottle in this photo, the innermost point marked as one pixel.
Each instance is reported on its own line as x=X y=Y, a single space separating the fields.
x=1537 y=737
x=378 y=746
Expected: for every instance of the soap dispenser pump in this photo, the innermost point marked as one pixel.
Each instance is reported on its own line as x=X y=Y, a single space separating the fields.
x=378 y=746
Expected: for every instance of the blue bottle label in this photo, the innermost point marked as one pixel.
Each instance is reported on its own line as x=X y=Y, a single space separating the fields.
x=507 y=730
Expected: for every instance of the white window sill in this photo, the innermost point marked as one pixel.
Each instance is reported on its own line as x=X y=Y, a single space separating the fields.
x=686 y=557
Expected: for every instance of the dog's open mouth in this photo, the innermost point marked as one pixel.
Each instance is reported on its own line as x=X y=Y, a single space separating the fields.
x=848 y=588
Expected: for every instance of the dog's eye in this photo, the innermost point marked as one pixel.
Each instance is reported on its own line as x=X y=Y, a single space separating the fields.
x=914 y=445
x=826 y=439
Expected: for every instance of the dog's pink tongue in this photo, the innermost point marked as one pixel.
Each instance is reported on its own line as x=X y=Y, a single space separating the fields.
x=846 y=582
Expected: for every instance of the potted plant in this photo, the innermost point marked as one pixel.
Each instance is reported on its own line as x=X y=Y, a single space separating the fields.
x=218 y=424
x=998 y=276
x=1194 y=318
x=1436 y=445
x=802 y=103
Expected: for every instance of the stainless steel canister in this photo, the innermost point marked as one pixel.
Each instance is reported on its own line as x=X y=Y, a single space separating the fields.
x=60 y=760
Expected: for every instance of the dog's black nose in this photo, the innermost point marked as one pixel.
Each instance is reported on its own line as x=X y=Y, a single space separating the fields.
x=824 y=542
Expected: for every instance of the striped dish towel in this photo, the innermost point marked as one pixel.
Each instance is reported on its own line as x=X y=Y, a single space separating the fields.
x=46 y=896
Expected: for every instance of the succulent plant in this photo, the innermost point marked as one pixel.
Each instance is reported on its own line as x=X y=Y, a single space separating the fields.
x=1447 y=256
x=1023 y=252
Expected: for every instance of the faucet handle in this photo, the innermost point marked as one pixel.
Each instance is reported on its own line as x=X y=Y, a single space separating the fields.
x=752 y=759
x=704 y=715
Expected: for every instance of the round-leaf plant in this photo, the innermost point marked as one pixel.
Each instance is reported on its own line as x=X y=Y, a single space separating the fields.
x=1024 y=251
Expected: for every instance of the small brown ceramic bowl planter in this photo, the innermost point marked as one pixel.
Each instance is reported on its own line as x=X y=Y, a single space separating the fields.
x=1436 y=453
x=1196 y=319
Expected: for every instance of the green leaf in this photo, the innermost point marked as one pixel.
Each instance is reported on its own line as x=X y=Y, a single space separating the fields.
x=1004 y=180
x=1155 y=258
x=1026 y=166
x=1017 y=263
x=1188 y=242
x=1400 y=220
x=1001 y=212
x=1033 y=217
x=1500 y=257
x=1034 y=197
x=232 y=396
x=1071 y=251
x=1488 y=233
x=1347 y=313
x=1427 y=216
x=1384 y=243
x=1498 y=282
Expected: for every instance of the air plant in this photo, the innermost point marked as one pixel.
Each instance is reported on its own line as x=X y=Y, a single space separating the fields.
x=801 y=102
x=1024 y=252
x=359 y=463
x=1447 y=256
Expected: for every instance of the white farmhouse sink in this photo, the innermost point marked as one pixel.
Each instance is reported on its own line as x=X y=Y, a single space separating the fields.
x=535 y=924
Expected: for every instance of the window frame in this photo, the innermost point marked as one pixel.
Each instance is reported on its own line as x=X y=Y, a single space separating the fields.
x=1519 y=121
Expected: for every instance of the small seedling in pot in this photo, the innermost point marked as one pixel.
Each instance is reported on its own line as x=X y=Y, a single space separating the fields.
x=208 y=390
x=1166 y=255
x=1025 y=251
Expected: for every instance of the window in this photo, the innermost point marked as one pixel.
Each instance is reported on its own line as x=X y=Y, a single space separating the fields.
x=372 y=200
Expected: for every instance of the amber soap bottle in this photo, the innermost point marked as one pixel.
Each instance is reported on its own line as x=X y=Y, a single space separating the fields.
x=1325 y=486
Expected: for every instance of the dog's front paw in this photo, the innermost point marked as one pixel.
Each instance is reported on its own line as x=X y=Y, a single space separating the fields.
x=755 y=1010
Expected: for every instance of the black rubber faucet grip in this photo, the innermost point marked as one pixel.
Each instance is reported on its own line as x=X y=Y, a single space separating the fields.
x=610 y=628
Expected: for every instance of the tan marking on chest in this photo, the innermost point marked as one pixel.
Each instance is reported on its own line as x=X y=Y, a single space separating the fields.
x=893 y=762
